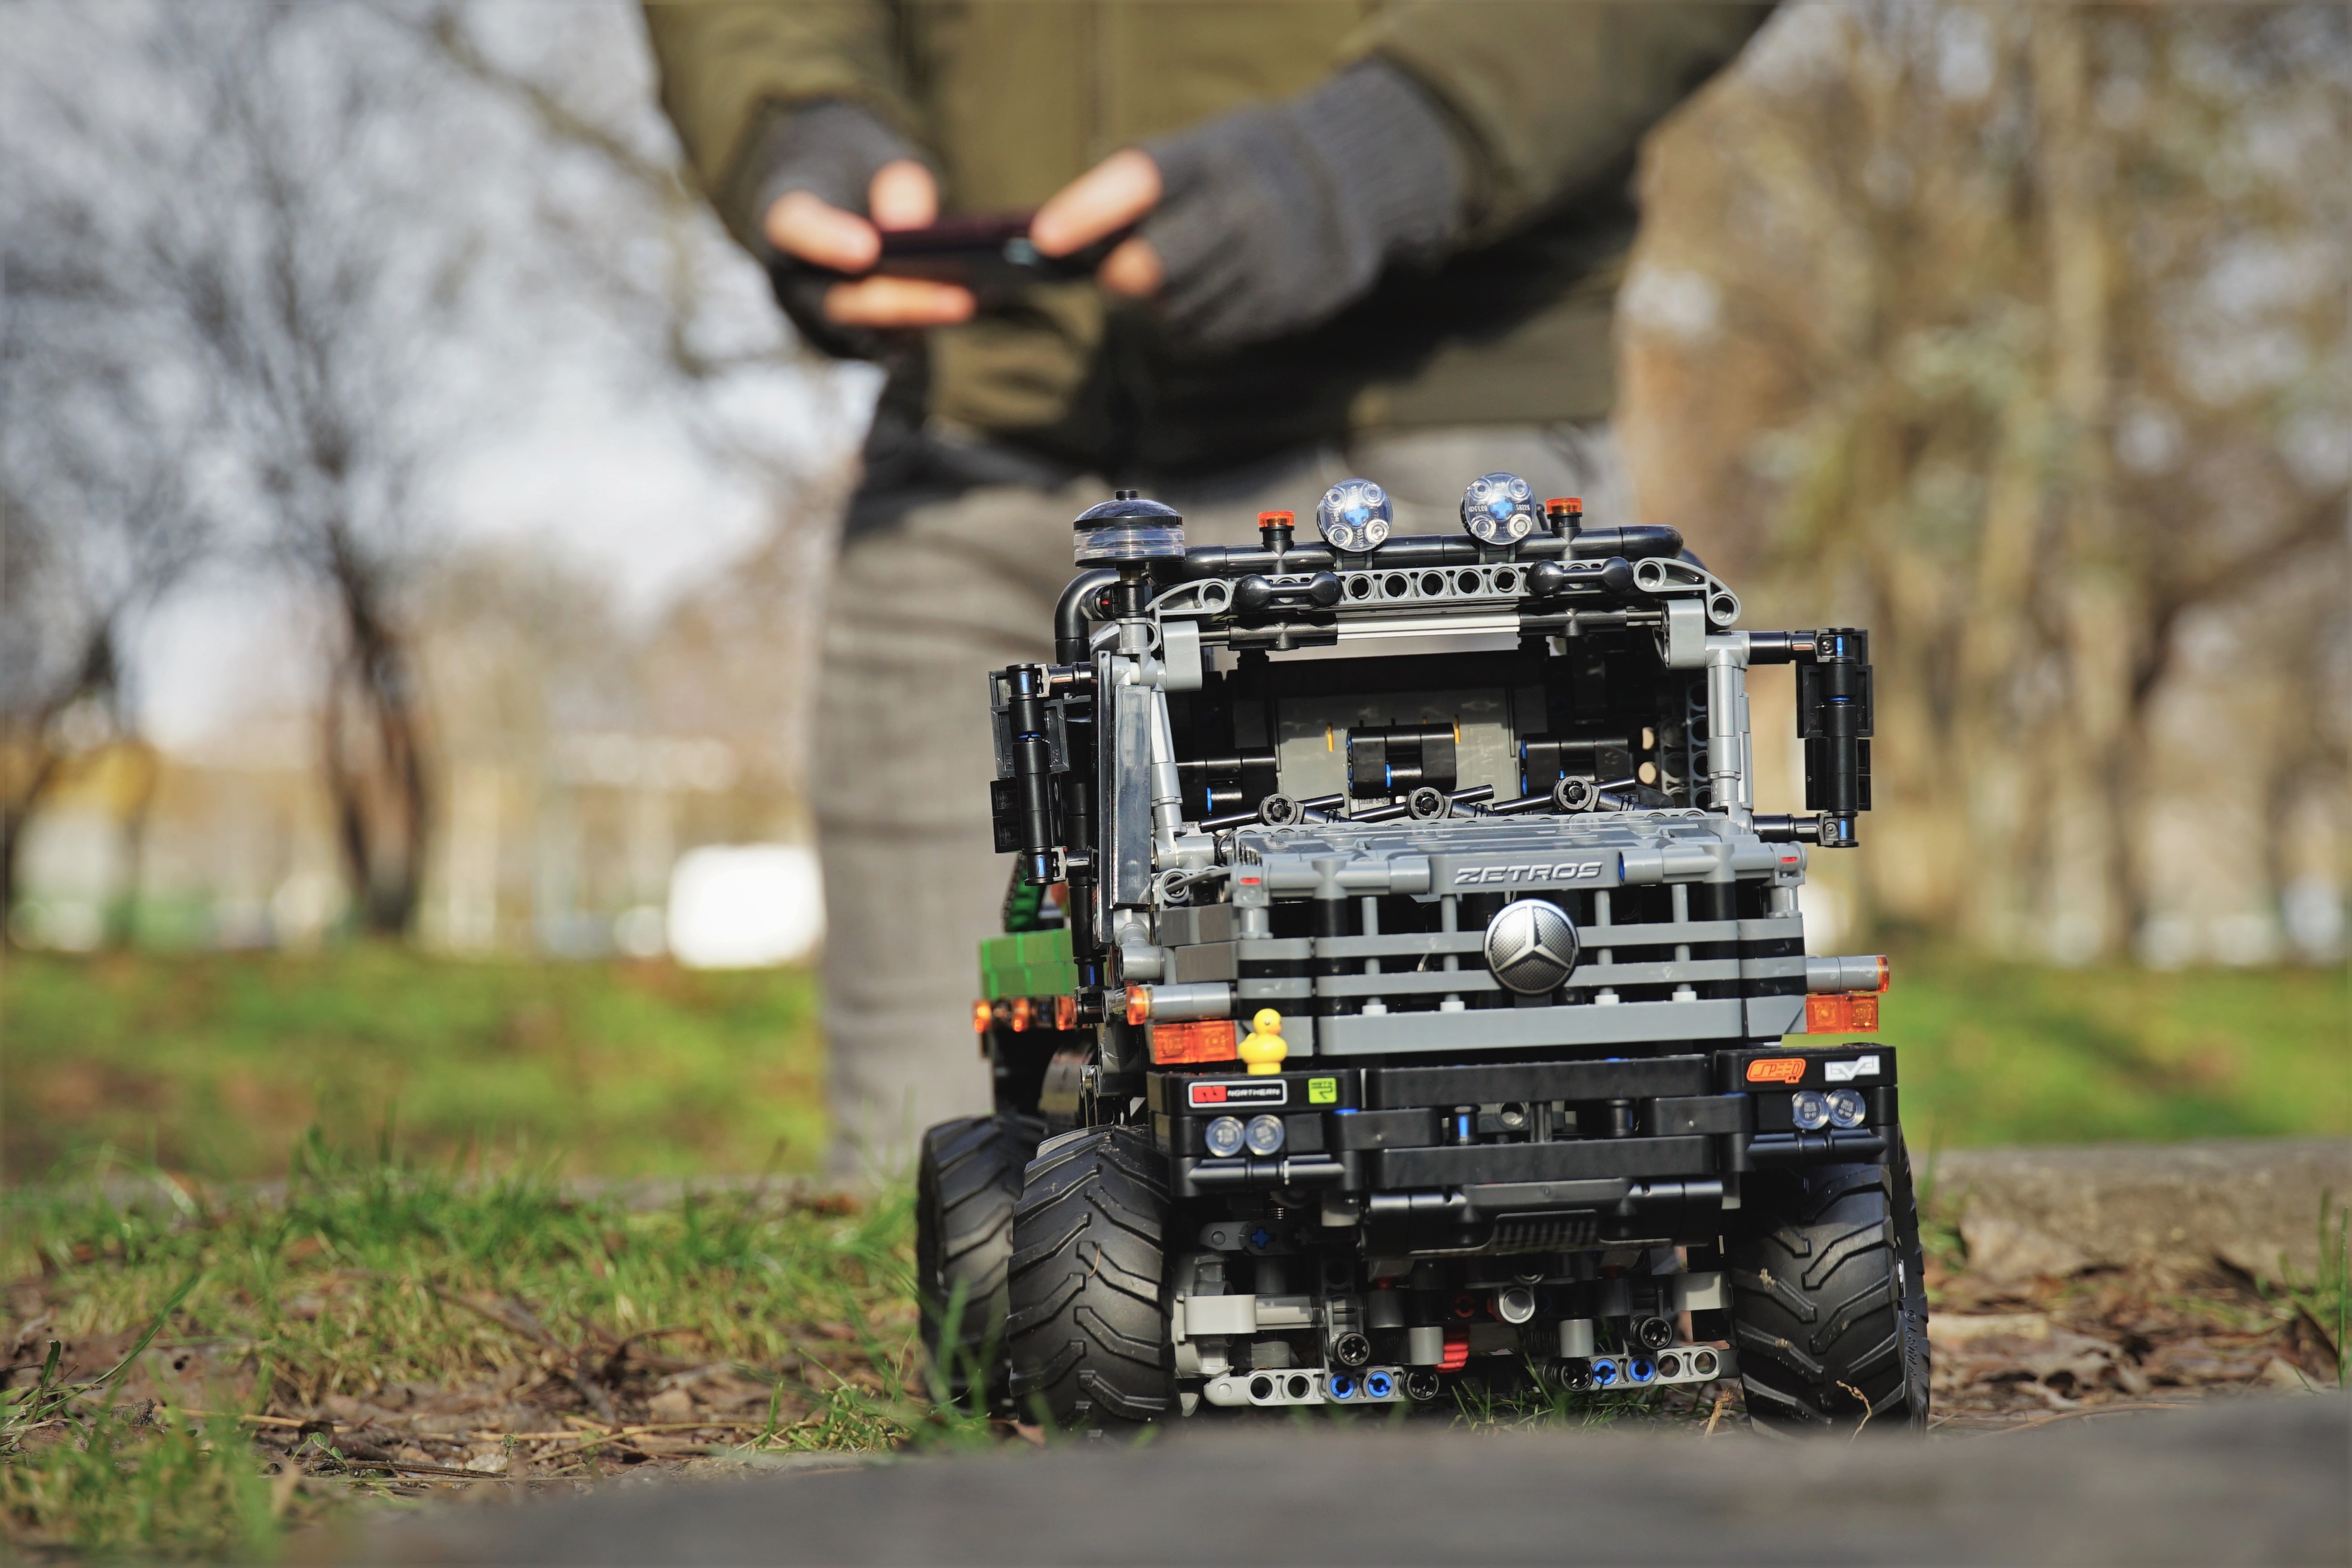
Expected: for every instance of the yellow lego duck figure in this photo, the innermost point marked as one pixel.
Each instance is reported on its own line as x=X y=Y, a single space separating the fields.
x=1263 y=1046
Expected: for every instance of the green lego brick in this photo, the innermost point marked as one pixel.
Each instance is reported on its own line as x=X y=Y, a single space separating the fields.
x=1027 y=963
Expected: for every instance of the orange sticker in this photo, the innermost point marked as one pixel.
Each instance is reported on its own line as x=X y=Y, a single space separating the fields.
x=1777 y=1069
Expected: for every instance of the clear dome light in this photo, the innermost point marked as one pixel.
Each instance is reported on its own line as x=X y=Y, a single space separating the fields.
x=1498 y=509
x=1264 y=1136
x=1354 y=516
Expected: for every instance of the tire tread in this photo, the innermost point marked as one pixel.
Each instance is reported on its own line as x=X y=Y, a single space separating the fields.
x=1829 y=1309
x=1087 y=1327
x=967 y=1183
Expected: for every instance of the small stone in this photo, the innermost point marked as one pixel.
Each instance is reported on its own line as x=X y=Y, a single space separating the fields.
x=2278 y=1373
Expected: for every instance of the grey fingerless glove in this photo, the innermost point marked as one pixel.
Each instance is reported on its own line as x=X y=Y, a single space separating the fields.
x=1274 y=217
x=831 y=149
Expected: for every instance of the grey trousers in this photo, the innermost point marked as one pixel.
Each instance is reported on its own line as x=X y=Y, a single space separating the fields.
x=917 y=614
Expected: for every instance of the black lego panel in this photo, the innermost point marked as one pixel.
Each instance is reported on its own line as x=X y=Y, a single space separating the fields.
x=1488 y=1083
x=1708 y=1113
x=1580 y=1159
x=1404 y=1129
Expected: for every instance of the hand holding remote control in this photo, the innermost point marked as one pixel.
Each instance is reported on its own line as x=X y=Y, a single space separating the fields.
x=903 y=197
x=907 y=268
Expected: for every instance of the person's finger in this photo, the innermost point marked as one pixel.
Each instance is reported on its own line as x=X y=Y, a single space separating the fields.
x=1133 y=268
x=800 y=224
x=1107 y=198
x=897 y=302
x=903 y=195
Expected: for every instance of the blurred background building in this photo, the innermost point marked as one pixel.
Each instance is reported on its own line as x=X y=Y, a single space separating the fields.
x=416 y=515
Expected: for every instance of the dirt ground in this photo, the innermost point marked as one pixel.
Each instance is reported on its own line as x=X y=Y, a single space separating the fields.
x=2005 y=1358
x=2015 y=1355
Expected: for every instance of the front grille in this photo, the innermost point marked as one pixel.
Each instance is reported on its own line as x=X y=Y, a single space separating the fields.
x=1544 y=1232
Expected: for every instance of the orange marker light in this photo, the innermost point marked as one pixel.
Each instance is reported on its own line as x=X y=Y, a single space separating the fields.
x=1138 y=1004
x=1210 y=1040
x=1066 y=1011
x=979 y=1013
x=1021 y=1012
x=1777 y=1069
x=1852 y=1012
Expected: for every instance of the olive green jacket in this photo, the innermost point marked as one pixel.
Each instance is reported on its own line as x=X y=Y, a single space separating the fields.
x=1012 y=98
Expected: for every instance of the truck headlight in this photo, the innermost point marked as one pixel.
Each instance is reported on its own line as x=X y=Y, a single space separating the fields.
x=1810 y=1110
x=1847 y=1108
x=1263 y=1136
x=1354 y=516
x=1498 y=509
x=1223 y=1137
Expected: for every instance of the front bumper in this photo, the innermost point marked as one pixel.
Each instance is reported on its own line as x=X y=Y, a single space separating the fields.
x=1609 y=1147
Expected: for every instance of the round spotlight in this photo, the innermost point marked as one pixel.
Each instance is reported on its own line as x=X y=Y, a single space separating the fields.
x=1498 y=509
x=1810 y=1111
x=1354 y=516
x=1847 y=1108
x=1263 y=1136
x=1223 y=1137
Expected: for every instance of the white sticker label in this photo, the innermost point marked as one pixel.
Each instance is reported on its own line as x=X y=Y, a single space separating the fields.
x=1846 y=1072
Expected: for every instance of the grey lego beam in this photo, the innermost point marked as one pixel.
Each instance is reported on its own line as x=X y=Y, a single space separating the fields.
x=1406 y=983
x=1689 y=971
x=1519 y=1028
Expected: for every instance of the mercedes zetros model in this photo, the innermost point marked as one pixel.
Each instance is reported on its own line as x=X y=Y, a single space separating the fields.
x=1400 y=987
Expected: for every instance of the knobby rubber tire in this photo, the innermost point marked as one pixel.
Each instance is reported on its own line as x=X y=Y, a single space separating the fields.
x=1829 y=1299
x=1089 y=1326
x=967 y=1181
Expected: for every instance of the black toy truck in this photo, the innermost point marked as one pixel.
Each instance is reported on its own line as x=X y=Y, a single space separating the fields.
x=1400 y=987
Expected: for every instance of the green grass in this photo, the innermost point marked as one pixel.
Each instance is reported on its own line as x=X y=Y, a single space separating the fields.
x=1994 y=1053
x=368 y=1275
x=122 y=1487
x=215 y=1064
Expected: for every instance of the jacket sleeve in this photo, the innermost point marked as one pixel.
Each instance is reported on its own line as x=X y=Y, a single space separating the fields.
x=1550 y=97
x=728 y=68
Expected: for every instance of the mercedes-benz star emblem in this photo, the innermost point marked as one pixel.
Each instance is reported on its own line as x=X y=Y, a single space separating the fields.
x=1531 y=946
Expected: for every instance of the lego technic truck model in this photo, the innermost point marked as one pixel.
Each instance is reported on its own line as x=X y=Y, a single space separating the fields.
x=1400 y=987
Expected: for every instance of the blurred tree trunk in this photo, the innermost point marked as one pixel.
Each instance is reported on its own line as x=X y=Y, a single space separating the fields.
x=2102 y=605
x=40 y=758
x=147 y=765
x=374 y=764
